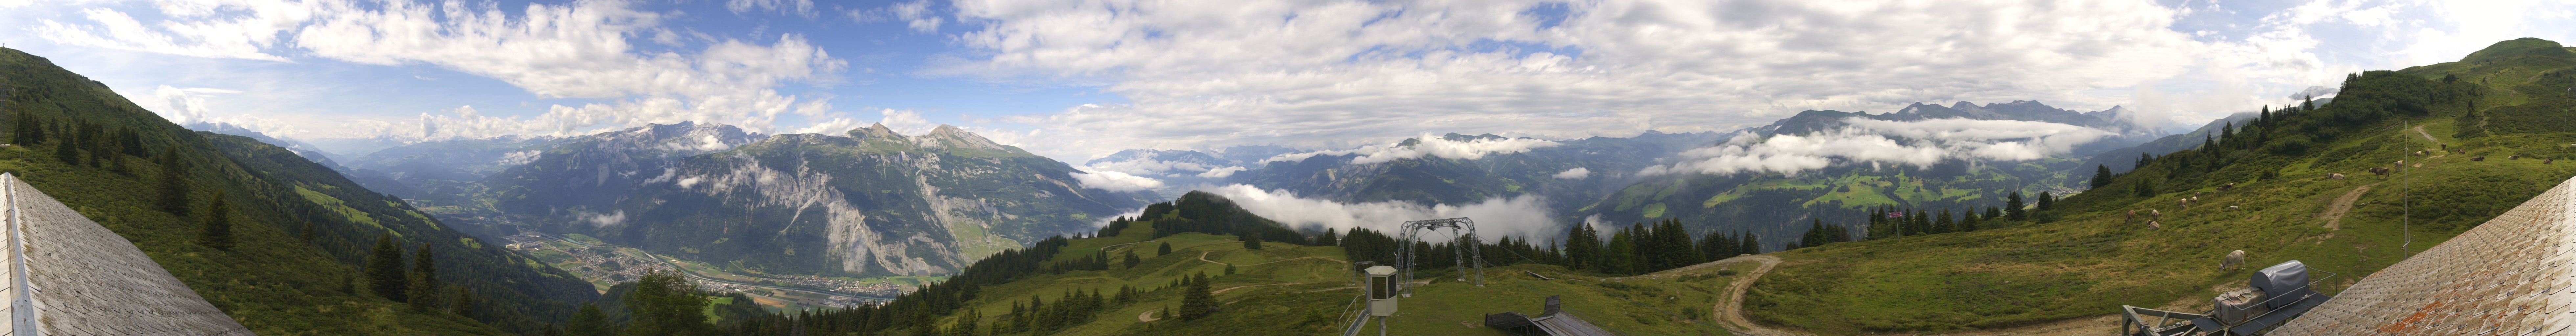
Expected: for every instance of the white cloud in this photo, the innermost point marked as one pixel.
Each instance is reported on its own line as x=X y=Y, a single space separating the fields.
x=1203 y=74
x=583 y=49
x=606 y=219
x=916 y=15
x=1116 y=181
x=1221 y=172
x=521 y=157
x=803 y=8
x=905 y=122
x=242 y=37
x=1431 y=145
x=1917 y=143
x=1523 y=216
x=1577 y=173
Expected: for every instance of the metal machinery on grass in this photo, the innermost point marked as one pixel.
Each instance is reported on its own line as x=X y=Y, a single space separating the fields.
x=1383 y=285
x=2278 y=293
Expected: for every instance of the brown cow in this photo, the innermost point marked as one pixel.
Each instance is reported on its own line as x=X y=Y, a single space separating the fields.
x=2478 y=158
x=2379 y=170
x=2133 y=218
x=2152 y=225
x=2513 y=157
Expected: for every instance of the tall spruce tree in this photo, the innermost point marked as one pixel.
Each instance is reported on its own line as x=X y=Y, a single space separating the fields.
x=664 y=303
x=1620 y=256
x=174 y=182
x=1165 y=248
x=588 y=321
x=1197 y=302
x=385 y=270
x=2047 y=202
x=1583 y=247
x=2013 y=207
x=424 y=279
x=217 y=230
x=2101 y=176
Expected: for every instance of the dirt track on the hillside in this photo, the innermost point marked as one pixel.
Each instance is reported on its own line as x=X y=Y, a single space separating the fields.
x=2342 y=204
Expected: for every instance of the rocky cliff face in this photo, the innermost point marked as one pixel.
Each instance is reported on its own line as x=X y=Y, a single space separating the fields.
x=871 y=202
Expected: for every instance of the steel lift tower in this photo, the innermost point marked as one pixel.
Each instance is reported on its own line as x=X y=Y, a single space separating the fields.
x=1462 y=233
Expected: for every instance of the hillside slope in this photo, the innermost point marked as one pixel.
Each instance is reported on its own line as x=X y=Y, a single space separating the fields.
x=2279 y=203
x=299 y=233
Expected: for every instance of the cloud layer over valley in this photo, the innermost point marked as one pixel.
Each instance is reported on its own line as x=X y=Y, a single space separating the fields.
x=1919 y=143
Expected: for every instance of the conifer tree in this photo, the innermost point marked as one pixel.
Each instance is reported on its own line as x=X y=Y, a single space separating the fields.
x=424 y=278
x=462 y=303
x=1166 y=248
x=589 y=321
x=217 y=230
x=2013 y=207
x=1751 y=245
x=2145 y=188
x=1943 y=223
x=1251 y=240
x=67 y=153
x=309 y=232
x=1197 y=302
x=2101 y=176
x=1328 y=238
x=1131 y=259
x=2047 y=202
x=1620 y=255
x=385 y=270
x=174 y=182
x=1583 y=247
x=1229 y=269
x=664 y=303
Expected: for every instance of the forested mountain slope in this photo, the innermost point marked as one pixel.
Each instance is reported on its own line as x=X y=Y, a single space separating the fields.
x=276 y=241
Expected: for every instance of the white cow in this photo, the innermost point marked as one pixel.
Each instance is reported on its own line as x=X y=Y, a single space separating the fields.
x=2235 y=260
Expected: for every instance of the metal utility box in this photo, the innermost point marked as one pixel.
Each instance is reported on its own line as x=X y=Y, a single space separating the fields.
x=2285 y=283
x=1382 y=290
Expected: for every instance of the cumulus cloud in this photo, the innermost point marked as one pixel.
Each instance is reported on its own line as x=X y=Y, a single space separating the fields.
x=1577 y=173
x=1524 y=216
x=1918 y=143
x=1431 y=145
x=521 y=157
x=1221 y=172
x=1149 y=166
x=606 y=219
x=1200 y=74
x=582 y=49
x=916 y=15
x=1116 y=181
x=803 y=8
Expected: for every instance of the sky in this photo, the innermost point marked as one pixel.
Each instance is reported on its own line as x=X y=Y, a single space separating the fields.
x=1078 y=79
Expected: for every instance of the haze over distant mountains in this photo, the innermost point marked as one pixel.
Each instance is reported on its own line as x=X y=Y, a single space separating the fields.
x=981 y=196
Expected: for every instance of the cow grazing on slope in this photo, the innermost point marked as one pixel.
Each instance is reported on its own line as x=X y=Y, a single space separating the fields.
x=2235 y=260
x=2480 y=158
x=2152 y=225
x=2336 y=176
x=2379 y=170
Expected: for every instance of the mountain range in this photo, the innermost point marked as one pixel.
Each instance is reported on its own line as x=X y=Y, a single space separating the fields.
x=874 y=202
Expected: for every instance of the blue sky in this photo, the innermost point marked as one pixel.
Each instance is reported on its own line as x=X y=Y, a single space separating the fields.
x=1075 y=79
